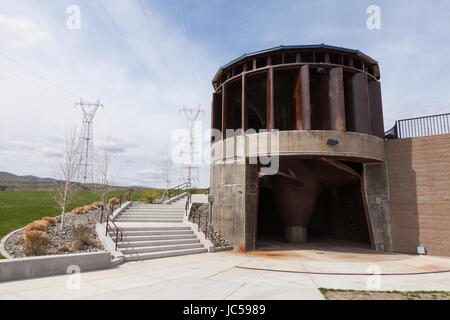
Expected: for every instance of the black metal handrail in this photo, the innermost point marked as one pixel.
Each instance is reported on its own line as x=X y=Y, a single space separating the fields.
x=126 y=195
x=420 y=127
x=117 y=231
x=188 y=202
x=185 y=185
x=199 y=220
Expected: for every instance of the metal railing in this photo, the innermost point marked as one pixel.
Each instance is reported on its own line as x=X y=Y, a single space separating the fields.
x=127 y=195
x=183 y=186
x=117 y=230
x=198 y=219
x=109 y=209
x=188 y=202
x=420 y=127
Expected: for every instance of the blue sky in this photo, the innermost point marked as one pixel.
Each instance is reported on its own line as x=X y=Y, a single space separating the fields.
x=142 y=97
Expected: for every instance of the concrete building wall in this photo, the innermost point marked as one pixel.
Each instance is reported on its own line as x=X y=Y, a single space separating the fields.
x=234 y=180
x=234 y=186
x=419 y=176
x=376 y=192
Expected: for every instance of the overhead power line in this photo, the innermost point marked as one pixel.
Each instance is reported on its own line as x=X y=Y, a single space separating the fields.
x=20 y=83
x=70 y=93
x=190 y=47
x=154 y=37
x=127 y=43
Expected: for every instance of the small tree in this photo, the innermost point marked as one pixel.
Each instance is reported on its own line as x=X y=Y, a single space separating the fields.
x=165 y=165
x=105 y=181
x=67 y=171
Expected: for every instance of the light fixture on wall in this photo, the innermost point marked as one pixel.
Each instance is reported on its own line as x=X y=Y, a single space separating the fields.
x=332 y=142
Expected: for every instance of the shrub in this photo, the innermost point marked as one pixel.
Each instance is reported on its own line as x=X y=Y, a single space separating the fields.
x=142 y=200
x=78 y=211
x=35 y=242
x=40 y=225
x=51 y=221
x=96 y=204
x=81 y=236
x=89 y=208
x=113 y=201
x=150 y=195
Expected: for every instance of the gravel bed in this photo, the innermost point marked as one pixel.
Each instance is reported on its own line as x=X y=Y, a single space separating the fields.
x=61 y=240
x=200 y=211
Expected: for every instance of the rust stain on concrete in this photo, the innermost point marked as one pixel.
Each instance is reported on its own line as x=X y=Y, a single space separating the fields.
x=426 y=267
x=267 y=254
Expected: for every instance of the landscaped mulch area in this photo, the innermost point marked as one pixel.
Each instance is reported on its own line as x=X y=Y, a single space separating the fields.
x=331 y=294
x=61 y=240
x=201 y=211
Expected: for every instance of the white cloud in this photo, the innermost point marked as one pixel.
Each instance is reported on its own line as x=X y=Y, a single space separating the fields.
x=22 y=33
x=50 y=152
x=150 y=171
x=93 y=63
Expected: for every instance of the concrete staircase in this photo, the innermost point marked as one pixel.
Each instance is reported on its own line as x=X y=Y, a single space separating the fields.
x=156 y=231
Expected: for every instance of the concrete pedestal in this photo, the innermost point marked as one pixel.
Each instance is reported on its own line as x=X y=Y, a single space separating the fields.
x=295 y=234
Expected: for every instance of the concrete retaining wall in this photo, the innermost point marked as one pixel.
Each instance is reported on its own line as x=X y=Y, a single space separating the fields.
x=24 y=268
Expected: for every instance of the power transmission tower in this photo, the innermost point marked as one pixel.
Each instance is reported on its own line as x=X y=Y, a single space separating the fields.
x=86 y=158
x=190 y=171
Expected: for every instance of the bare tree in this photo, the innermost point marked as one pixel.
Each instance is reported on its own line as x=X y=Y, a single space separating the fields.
x=67 y=171
x=165 y=165
x=105 y=181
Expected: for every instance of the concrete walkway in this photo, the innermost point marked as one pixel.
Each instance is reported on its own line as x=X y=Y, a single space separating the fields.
x=232 y=275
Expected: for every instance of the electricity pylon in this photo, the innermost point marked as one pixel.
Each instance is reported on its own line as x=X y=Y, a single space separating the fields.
x=86 y=159
x=190 y=169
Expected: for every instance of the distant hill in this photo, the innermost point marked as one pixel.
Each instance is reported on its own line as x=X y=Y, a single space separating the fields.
x=9 y=177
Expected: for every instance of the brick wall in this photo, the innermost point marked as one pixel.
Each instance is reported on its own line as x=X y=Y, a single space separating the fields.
x=419 y=175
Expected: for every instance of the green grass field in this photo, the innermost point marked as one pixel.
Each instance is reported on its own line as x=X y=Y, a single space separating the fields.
x=18 y=208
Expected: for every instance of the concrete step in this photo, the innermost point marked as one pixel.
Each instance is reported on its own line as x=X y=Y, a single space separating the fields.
x=168 y=213
x=155 y=210
x=146 y=233
x=148 y=220
x=165 y=214
x=155 y=228
x=148 y=217
x=157 y=205
x=130 y=250
x=158 y=237
x=163 y=254
x=156 y=216
x=124 y=244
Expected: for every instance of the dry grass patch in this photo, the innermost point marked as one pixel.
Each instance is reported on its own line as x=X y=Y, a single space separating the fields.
x=35 y=242
x=96 y=204
x=113 y=201
x=81 y=237
x=51 y=221
x=40 y=225
x=335 y=294
x=77 y=211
